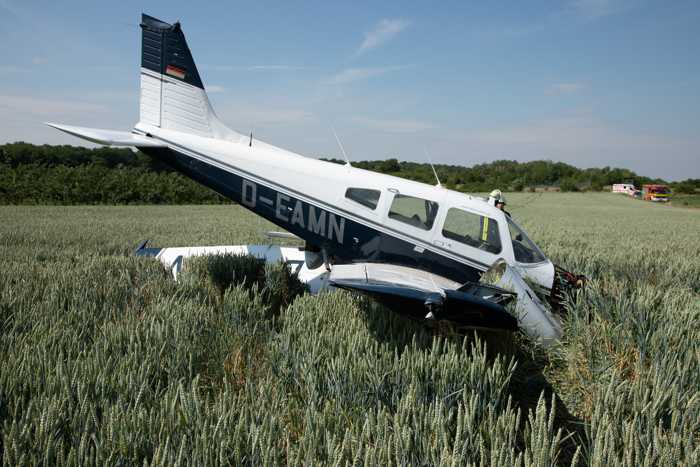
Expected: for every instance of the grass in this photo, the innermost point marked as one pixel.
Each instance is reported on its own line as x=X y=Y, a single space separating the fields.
x=686 y=201
x=106 y=361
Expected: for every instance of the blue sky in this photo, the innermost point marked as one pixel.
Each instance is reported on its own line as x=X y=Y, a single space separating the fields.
x=587 y=82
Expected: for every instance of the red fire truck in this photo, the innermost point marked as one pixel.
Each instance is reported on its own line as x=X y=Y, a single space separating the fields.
x=659 y=193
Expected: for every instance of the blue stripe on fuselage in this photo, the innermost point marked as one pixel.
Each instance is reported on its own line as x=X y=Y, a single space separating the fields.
x=344 y=239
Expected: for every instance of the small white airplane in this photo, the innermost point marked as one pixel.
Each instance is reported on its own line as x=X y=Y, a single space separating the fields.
x=417 y=248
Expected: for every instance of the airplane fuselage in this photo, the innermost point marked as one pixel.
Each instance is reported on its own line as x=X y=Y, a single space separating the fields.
x=344 y=231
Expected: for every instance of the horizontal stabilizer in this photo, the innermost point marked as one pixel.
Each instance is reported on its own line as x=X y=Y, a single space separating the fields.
x=108 y=137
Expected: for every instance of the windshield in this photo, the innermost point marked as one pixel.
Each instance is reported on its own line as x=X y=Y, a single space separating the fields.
x=524 y=249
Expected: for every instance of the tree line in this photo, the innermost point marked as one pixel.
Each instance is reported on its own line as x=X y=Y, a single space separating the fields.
x=508 y=175
x=33 y=174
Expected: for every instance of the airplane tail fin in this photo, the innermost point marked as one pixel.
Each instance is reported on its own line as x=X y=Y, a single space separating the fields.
x=172 y=93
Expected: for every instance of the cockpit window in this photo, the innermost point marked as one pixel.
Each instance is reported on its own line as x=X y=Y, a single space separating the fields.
x=417 y=212
x=524 y=249
x=472 y=229
x=364 y=196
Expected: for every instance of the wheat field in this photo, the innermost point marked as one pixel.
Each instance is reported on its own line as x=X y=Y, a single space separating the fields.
x=105 y=360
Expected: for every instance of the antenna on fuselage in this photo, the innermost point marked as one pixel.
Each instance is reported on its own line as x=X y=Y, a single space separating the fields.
x=430 y=161
x=347 y=161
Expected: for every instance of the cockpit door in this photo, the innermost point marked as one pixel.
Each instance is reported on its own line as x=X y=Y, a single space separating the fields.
x=469 y=234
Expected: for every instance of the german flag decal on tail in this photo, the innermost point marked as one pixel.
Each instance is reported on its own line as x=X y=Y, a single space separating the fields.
x=172 y=70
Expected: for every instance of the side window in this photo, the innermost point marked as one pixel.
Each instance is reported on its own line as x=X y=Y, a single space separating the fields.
x=417 y=212
x=363 y=196
x=472 y=229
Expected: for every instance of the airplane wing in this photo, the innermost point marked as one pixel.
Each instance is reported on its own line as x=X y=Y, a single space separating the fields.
x=107 y=137
x=415 y=293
